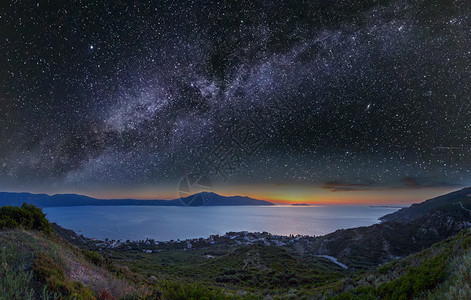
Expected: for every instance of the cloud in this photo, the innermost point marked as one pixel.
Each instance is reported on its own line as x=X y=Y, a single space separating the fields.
x=411 y=182
x=405 y=183
x=416 y=183
x=337 y=186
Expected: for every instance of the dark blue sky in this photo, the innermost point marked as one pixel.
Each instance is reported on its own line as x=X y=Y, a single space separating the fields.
x=103 y=95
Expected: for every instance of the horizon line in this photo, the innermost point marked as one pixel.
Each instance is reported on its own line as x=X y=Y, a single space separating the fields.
x=280 y=202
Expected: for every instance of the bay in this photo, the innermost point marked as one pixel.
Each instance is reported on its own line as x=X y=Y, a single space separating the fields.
x=172 y=223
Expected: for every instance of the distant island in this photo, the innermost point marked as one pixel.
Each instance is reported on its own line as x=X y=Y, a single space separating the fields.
x=300 y=204
x=62 y=200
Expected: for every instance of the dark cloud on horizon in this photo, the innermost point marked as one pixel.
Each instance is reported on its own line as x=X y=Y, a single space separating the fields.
x=337 y=186
x=407 y=183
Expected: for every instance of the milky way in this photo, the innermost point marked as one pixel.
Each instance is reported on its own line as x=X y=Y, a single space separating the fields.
x=115 y=93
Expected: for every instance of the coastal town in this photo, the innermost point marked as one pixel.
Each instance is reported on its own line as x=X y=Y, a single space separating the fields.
x=228 y=239
x=294 y=243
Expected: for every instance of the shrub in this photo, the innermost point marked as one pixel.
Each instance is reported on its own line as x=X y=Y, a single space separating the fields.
x=93 y=257
x=27 y=217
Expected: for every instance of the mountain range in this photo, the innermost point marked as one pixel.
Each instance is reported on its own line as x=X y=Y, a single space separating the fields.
x=44 y=200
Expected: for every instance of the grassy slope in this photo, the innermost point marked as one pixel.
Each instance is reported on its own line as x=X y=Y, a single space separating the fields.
x=41 y=265
x=272 y=271
x=33 y=265
x=439 y=272
x=365 y=247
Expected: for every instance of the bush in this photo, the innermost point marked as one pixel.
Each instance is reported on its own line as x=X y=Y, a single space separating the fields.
x=93 y=257
x=27 y=217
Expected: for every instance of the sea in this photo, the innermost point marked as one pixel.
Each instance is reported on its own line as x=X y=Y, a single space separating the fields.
x=172 y=222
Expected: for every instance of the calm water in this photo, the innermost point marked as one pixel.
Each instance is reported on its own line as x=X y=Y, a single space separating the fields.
x=167 y=223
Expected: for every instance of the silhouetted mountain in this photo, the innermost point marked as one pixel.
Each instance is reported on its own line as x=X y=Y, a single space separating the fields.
x=44 y=200
x=213 y=199
x=416 y=211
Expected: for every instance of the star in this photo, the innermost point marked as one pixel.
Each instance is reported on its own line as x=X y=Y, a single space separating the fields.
x=291 y=93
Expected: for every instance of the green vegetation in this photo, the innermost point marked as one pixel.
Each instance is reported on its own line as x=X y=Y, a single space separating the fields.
x=94 y=257
x=37 y=263
x=432 y=273
x=182 y=291
x=27 y=217
x=256 y=269
x=34 y=265
x=15 y=282
x=458 y=284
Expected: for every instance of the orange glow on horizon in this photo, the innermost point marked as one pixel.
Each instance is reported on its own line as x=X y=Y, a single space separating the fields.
x=284 y=194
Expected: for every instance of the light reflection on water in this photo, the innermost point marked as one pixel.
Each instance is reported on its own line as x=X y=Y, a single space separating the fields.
x=167 y=223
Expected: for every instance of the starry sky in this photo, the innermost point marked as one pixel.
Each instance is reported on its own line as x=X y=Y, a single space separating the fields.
x=327 y=101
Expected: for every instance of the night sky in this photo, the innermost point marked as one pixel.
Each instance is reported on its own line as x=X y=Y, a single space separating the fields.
x=287 y=100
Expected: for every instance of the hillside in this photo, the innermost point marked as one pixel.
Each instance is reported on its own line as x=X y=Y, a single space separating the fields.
x=418 y=210
x=37 y=263
x=290 y=270
x=44 y=200
x=439 y=272
x=38 y=266
x=364 y=247
x=428 y=257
